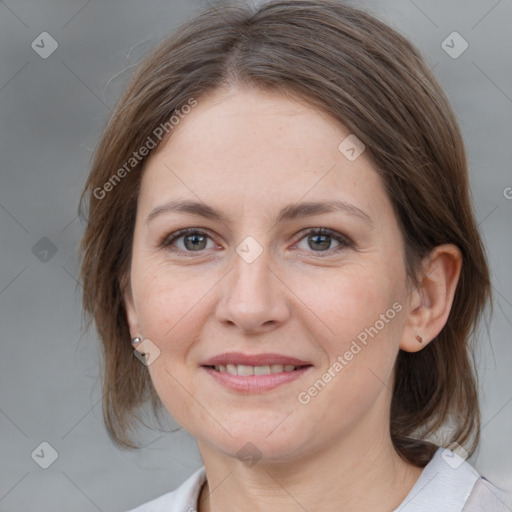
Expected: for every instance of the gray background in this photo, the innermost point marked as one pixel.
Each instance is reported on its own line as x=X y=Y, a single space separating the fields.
x=52 y=113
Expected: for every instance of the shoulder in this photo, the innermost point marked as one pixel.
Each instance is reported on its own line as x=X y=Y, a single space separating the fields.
x=451 y=484
x=486 y=497
x=182 y=499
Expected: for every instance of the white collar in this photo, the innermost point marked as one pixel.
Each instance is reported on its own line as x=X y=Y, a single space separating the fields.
x=445 y=484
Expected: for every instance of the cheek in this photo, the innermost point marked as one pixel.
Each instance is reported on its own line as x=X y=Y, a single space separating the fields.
x=352 y=301
x=363 y=310
x=168 y=302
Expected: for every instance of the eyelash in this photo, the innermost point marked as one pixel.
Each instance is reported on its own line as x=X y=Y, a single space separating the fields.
x=343 y=240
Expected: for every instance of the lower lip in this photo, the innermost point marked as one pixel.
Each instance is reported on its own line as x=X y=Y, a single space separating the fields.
x=256 y=383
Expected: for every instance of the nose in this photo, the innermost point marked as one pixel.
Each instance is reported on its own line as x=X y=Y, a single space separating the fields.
x=255 y=297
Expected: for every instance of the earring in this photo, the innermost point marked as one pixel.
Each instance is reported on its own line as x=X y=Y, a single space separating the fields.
x=419 y=338
x=136 y=341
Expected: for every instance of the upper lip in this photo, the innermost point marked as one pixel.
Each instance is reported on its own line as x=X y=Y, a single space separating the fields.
x=253 y=359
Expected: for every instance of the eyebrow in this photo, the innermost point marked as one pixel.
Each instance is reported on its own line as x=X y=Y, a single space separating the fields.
x=290 y=212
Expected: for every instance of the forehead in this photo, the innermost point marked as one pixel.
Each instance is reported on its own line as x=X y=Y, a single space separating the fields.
x=250 y=147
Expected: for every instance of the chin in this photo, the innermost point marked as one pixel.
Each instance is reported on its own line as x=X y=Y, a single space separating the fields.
x=259 y=441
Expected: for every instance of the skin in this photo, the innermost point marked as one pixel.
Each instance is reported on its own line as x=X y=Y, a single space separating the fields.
x=249 y=153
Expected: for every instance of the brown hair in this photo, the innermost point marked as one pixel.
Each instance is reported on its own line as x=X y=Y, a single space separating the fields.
x=370 y=78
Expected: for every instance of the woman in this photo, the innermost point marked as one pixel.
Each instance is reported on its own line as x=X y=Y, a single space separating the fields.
x=288 y=249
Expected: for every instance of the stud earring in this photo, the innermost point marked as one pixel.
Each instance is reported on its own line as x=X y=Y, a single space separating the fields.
x=419 y=338
x=136 y=341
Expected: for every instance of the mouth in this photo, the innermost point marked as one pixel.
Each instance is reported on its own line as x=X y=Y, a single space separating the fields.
x=248 y=370
x=254 y=373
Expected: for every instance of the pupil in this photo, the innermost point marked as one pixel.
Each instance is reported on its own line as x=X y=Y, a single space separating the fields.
x=195 y=238
x=324 y=241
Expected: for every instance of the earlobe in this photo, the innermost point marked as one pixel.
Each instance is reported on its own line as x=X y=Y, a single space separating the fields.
x=430 y=303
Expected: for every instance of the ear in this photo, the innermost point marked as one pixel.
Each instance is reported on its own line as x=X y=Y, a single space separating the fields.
x=131 y=313
x=430 y=303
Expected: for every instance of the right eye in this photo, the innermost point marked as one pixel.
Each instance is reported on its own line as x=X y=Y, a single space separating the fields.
x=193 y=240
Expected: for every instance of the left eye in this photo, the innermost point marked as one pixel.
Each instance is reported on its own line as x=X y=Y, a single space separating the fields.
x=320 y=240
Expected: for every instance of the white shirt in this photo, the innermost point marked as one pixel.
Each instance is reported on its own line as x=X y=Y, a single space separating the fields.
x=447 y=484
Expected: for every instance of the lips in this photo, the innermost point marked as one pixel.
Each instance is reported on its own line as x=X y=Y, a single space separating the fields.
x=238 y=358
x=246 y=370
x=255 y=373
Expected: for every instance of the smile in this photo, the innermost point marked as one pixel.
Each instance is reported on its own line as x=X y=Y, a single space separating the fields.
x=255 y=379
x=244 y=369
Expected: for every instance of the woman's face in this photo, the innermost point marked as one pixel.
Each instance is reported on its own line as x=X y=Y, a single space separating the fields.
x=253 y=283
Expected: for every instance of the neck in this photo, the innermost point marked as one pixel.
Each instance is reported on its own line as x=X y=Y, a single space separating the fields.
x=347 y=477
